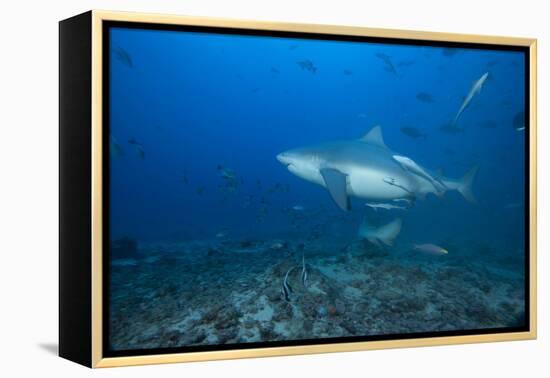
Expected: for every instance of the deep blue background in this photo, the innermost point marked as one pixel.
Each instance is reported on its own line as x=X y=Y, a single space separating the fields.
x=196 y=101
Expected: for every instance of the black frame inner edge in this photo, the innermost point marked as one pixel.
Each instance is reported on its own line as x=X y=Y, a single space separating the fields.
x=107 y=25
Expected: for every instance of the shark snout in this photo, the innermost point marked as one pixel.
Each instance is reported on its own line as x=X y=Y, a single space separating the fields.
x=284 y=158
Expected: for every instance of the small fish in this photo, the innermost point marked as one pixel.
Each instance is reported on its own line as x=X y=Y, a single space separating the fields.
x=139 y=148
x=519 y=121
x=292 y=47
x=286 y=289
x=307 y=65
x=430 y=249
x=385 y=206
x=115 y=149
x=221 y=235
x=226 y=173
x=411 y=166
x=388 y=64
x=348 y=72
x=123 y=56
x=304 y=271
x=361 y=115
x=476 y=88
x=200 y=190
x=413 y=132
x=405 y=200
x=424 y=97
x=151 y=259
x=140 y=152
x=277 y=246
x=274 y=70
x=298 y=208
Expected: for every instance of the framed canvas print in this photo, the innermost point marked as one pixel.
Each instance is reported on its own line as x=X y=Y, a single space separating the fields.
x=236 y=189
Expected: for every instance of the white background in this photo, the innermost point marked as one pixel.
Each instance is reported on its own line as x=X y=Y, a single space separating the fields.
x=29 y=189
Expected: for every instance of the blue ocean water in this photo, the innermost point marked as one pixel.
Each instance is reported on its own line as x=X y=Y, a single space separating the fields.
x=197 y=196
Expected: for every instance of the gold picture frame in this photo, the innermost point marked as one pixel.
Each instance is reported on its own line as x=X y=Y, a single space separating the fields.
x=96 y=20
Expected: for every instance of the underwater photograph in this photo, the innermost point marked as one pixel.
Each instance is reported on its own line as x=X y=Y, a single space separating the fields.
x=289 y=189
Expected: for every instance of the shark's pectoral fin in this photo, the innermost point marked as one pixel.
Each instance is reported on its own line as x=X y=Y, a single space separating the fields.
x=336 y=183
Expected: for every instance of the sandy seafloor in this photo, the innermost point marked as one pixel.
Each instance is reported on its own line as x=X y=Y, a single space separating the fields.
x=224 y=292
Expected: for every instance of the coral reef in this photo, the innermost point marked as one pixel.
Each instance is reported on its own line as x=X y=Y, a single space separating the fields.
x=203 y=294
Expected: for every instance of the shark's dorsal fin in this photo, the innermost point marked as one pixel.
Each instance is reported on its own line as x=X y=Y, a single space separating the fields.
x=336 y=183
x=374 y=136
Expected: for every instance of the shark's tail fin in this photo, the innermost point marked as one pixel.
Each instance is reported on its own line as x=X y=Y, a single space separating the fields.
x=465 y=185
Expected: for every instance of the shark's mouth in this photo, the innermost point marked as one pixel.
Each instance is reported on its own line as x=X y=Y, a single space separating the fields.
x=284 y=160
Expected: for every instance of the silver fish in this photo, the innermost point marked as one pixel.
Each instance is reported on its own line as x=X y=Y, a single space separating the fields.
x=476 y=88
x=430 y=249
x=286 y=289
x=519 y=121
x=410 y=165
x=386 y=206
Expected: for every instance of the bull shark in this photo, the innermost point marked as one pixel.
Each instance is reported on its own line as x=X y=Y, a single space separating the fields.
x=366 y=169
x=476 y=88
